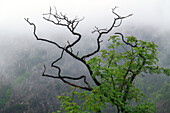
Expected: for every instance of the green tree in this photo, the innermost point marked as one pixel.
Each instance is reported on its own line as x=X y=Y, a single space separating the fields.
x=112 y=70
x=116 y=71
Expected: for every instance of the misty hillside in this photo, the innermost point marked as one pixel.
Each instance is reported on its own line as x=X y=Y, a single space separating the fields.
x=24 y=90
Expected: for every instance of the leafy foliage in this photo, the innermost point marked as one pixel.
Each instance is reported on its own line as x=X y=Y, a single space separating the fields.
x=116 y=68
x=5 y=91
x=22 y=78
x=16 y=108
x=157 y=90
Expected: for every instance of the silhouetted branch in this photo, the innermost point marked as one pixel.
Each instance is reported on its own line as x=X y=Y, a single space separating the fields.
x=66 y=77
x=61 y=19
x=105 y=31
x=71 y=78
x=96 y=29
x=42 y=39
x=125 y=41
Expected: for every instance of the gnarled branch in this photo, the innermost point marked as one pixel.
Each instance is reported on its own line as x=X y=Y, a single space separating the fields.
x=61 y=19
x=105 y=31
x=66 y=77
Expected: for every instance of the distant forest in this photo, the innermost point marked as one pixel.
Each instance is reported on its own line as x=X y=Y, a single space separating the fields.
x=23 y=89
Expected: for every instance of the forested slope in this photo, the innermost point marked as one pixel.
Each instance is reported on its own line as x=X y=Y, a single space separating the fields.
x=23 y=89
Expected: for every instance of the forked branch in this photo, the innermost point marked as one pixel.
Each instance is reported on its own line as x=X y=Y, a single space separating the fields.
x=129 y=70
x=101 y=32
x=61 y=19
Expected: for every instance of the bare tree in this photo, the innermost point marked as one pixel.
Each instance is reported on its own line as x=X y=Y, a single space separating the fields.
x=61 y=19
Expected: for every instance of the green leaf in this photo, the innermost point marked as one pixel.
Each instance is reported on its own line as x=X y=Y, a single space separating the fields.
x=116 y=68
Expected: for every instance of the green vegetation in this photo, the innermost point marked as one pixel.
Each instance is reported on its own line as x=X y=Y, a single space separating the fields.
x=5 y=94
x=17 y=108
x=6 y=91
x=157 y=90
x=22 y=78
x=38 y=94
x=117 y=72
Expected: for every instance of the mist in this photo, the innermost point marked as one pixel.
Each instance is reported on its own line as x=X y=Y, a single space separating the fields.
x=148 y=16
x=18 y=46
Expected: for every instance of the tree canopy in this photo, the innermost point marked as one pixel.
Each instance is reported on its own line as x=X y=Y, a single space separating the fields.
x=116 y=71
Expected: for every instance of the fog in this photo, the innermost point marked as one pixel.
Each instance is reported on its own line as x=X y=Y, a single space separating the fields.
x=148 y=13
x=150 y=16
x=150 y=21
x=20 y=52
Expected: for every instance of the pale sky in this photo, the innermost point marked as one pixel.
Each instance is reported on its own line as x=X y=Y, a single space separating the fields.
x=154 y=13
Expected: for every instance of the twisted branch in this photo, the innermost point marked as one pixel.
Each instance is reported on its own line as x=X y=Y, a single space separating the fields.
x=66 y=77
x=42 y=39
x=62 y=20
x=105 y=31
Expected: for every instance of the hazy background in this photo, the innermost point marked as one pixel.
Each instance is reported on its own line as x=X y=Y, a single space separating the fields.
x=147 y=13
x=22 y=56
x=151 y=16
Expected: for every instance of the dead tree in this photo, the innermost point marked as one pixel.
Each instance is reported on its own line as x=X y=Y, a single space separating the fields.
x=61 y=19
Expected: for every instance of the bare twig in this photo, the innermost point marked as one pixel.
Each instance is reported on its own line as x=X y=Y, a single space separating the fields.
x=105 y=31
x=63 y=20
